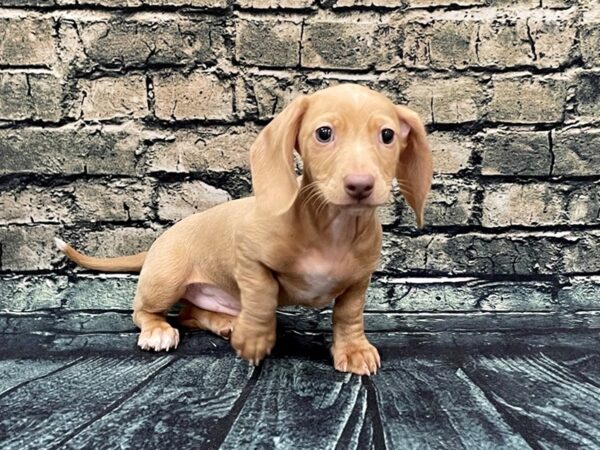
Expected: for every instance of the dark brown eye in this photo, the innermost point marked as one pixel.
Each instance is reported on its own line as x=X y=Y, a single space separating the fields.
x=324 y=134
x=387 y=136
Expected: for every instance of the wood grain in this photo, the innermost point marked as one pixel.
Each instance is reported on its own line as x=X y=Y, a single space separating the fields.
x=181 y=407
x=547 y=401
x=15 y=372
x=300 y=404
x=427 y=403
x=45 y=413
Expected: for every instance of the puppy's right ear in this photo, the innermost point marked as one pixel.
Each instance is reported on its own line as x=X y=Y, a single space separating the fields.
x=272 y=159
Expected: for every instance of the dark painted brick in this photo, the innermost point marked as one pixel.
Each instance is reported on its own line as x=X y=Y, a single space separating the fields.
x=268 y=42
x=576 y=152
x=515 y=153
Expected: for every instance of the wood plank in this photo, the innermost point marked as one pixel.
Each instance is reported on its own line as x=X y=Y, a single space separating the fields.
x=42 y=413
x=183 y=407
x=14 y=372
x=315 y=320
x=300 y=404
x=427 y=403
x=586 y=364
x=549 y=403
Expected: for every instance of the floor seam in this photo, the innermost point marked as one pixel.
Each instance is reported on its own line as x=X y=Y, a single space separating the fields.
x=114 y=405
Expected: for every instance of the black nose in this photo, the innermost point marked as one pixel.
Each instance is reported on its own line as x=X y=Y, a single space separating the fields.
x=359 y=186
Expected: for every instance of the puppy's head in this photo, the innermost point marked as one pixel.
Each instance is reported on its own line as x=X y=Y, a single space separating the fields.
x=353 y=142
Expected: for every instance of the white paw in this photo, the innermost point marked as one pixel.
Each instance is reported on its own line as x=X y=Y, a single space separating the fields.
x=159 y=338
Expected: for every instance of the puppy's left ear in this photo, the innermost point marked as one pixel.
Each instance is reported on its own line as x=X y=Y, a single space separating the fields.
x=415 y=166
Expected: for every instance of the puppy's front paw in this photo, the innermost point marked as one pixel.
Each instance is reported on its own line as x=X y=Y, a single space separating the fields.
x=158 y=338
x=358 y=357
x=252 y=342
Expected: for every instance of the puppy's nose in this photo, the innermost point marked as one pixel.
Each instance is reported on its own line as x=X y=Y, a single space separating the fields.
x=359 y=186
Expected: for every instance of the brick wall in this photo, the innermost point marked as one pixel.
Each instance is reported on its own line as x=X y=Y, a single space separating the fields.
x=119 y=117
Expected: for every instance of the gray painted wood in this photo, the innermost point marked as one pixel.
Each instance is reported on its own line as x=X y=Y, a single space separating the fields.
x=550 y=404
x=14 y=372
x=183 y=407
x=427 y=403
x=300 y=404
x=306 y=319
x=587 y=365
x=43 y=413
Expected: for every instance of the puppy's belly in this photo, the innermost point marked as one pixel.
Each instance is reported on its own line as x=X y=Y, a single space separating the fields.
x=212 y=298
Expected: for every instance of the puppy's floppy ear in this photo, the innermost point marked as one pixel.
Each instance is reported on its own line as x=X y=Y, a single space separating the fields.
x=272 y=159
x=415 y=167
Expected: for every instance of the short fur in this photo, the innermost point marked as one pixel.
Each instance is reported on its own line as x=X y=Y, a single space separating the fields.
x=295 y=242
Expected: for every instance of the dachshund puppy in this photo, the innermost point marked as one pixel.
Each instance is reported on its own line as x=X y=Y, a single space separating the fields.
x=296 y=242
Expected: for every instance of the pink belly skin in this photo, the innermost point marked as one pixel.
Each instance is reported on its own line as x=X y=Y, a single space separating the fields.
x=211 y=298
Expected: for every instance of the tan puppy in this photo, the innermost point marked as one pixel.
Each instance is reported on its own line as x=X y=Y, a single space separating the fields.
x=290 y=244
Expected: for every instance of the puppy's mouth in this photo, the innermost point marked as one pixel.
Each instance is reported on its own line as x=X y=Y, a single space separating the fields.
x=358 y=205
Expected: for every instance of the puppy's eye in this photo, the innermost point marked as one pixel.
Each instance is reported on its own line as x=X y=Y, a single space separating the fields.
x=324 y=134
x=387 y=135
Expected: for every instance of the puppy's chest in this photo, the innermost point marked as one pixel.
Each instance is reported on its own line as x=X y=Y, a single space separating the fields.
x=317 y=278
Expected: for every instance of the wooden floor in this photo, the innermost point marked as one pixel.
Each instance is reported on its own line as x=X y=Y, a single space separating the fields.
x=469 y=390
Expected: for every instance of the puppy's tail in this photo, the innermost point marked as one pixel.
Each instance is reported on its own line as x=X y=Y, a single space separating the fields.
x=132 y=263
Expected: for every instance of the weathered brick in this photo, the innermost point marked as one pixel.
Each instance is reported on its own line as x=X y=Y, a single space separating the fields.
x=543 y=41
x=345 y=45
x=119 y=200
x=448 y=40
x=33 y=205
x=198 y=95
x=30 y=293
x=269 y=94
x=443 y=101
x=540 y=204
x=589 y=40
x=459 y=294
x=69 y=150
x=271 y=43
x=576 y=152
x=432 y=3
x=504 y=42
x=22 y=3
x=527 y=100
x=272 y=94
x=275 y=4
x=30 y=96
x=218 y=150
x=588 y=94
x=27 y=248
x=114 y=97
x=558 y=4
x=515 y=153
x=87 y=201
x=179 y=200
x=554 y=36
x=26 y=41
x=510 y=253
x=449 y=203
x=514 y=4
x=451 y=152
x=440 y=44
x=380 y=3
x=208 y=4
x=160 y=39
x=118 y=242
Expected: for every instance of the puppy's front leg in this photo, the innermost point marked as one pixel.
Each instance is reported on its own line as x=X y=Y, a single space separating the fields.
x=253 y=333
x=351 y=350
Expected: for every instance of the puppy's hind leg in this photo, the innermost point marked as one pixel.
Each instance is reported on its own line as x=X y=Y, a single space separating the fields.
x=152 y=302
x=218 y=323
